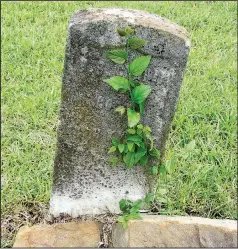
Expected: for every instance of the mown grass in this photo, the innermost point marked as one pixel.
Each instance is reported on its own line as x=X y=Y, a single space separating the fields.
x=202 y=141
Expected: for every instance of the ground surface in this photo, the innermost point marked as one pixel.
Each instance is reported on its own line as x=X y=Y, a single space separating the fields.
x=202 y=141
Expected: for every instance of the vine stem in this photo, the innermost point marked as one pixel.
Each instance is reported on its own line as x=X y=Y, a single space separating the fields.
x=128 y=73
x=167 y=191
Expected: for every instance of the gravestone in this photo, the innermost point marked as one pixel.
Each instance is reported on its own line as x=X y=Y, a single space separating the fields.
x=83 y=180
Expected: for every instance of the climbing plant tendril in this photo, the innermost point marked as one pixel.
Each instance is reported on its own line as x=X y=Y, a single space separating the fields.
x=137 y=146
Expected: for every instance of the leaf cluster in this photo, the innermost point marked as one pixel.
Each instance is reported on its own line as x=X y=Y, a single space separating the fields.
x=137 y=147
x=131 y=210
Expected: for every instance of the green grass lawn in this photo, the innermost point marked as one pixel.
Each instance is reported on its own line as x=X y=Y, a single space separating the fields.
x=202 y=141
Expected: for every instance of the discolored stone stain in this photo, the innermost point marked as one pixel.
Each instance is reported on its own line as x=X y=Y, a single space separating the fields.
x=88 y=119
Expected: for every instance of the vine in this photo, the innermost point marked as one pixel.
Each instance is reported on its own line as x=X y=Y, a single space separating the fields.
x=137 y=146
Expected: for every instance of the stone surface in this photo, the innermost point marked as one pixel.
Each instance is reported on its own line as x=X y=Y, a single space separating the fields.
x=83 y=181
x=81 y=234
x=177 y=231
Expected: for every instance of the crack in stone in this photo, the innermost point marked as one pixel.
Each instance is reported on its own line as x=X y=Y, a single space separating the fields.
x=198 y=236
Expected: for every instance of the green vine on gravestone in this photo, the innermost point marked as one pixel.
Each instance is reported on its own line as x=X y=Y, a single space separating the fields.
x=137 y=146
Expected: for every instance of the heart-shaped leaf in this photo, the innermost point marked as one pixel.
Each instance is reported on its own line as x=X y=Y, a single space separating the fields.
x=117 y=56
x=121 y=147
x=139 y=154
x=120 y=109
x=123 y=205
x=112 y=149
x=115 y=142
x=131 y=131
x=147 y=129
x=121 y=32
x=129 y=30
x=136 y=43
x=144 y=160
x=129 y=159
x=134 y=138
x=118 y=83
x=138 y=66
x=140 y=93
x=130 y=146
x=137 y=205
x=133 y=117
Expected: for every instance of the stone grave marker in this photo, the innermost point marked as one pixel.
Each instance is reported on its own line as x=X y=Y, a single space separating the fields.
x=83 y=180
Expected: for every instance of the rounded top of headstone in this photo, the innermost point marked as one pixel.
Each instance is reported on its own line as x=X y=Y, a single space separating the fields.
x=133 y=17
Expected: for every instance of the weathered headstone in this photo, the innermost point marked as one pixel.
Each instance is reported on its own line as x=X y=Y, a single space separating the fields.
x=84 y=182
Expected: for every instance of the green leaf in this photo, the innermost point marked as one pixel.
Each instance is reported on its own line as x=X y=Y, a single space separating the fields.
x=135 y=43
x=133 y=216
x=148 y=198
x=118 y=83
x=136 y=206
x=148 y=135
x=115 y=141
x=139 y=154
x=121 y=32
x=123 y=205
x=129 y=159
x=122 y=221
x=132 y=83
x=147 y=129
x=144 y=160
x=112 y=149
x=134 y=138
x=154 y=170
x=140 y=93
x=139 y=126
x=162 y=170
x=155 y=153
x=117 y=56
x=138 y=143
x=139 y=131
x=120 y=109
x=131 y=131
x=114 y=161
x=142 y=106
x=143 y=145
x=121 y=147
x=138 y=66
x=130 y=146
x=129 y=30
x=133 y=117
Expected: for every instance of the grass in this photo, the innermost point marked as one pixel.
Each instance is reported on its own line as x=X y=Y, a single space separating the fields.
x=202 y=141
